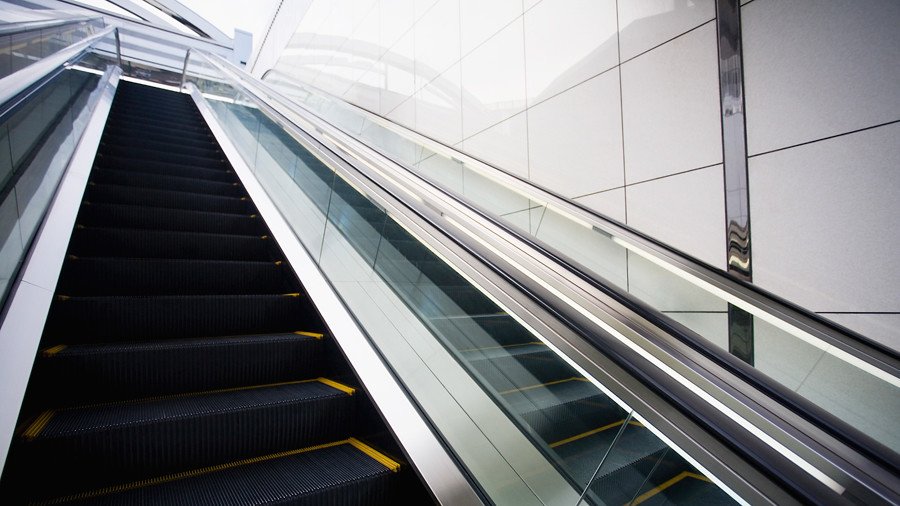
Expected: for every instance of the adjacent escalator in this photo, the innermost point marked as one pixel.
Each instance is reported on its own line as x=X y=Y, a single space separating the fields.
x=181 y=361
x=593 y=440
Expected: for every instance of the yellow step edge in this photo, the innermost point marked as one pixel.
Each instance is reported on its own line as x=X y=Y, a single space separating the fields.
x=666 y=484
x=192 y=473
x=49 y=352
x=381 y=458
x=310 y=334
x=532 y=387
x=335 y=384
x=290 y=294
x=38 y=425
x=591 y=432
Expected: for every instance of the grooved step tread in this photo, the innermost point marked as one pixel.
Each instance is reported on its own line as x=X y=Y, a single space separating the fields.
x=124 y=242
x=180 y=220
x=74 y=374
x=120 y=194
x=104 y=417
x=93 y=276
x=96 y=319
x=113 y=163
x=333 y=473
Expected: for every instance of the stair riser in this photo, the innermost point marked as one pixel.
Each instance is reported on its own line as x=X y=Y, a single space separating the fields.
x=117 y=194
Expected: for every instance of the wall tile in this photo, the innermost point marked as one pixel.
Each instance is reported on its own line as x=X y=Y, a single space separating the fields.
x=493 y=80
x=666 y=291
x=825 y=222
x=566 y=42
x=396 y=20
x=884 y=328
x=575 y=138
x=670 y=102
x=398 y=68
x=648 y=23
x=610 y=203
x=438 y=108
x=816 y=69
x=437 y=41
x=480 y=20
x=404 y=114
x=504 y=145
x=686 y=211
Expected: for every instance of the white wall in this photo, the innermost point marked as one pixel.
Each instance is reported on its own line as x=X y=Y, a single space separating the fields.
x=823 y=102
x=616 y=105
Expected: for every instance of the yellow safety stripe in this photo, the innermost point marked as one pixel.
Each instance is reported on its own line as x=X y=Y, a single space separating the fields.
x=34 y=430
x=49 y=352
x=666 y=484
x=310 y=334
x=591 y=432
x=335 y=384
x=375 y=454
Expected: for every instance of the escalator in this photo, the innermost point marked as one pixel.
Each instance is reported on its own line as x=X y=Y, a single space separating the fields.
x=181 y=361
x=592 y=440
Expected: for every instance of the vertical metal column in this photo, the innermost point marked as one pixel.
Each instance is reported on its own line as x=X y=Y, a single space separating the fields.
x=118 y=49
x=734 y=151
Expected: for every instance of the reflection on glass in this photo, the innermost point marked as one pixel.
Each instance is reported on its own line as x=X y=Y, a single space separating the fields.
x=21 y=49
x=37 y=138
x=779 y=352
x=570 y=419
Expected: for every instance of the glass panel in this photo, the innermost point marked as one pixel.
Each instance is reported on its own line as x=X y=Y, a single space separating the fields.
x=780 y=351
x=19 y=50
x=37 y=140
x=360 y=248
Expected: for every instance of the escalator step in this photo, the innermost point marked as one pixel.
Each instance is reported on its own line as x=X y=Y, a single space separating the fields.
x=119 y=242
x=331 y=474
x=103 y=444
x=165 y=169
x=563 y=409
x=210 y=151
x=125 y=216
x=99 y=319
x=118 y=194
x=92 y=276
x=118 y=137
x=138 y=130
x=164 y=182
x=78 y=374
x=162 y=156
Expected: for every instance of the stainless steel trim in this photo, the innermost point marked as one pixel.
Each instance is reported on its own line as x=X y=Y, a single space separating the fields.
x=29 y=301
x=118 y=49
x=734 y=140
x=437 y=468
x=13 y=84
x=27 y=26
x=187 y=57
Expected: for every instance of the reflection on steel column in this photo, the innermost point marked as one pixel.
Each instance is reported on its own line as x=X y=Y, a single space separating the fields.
x=734 y=150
